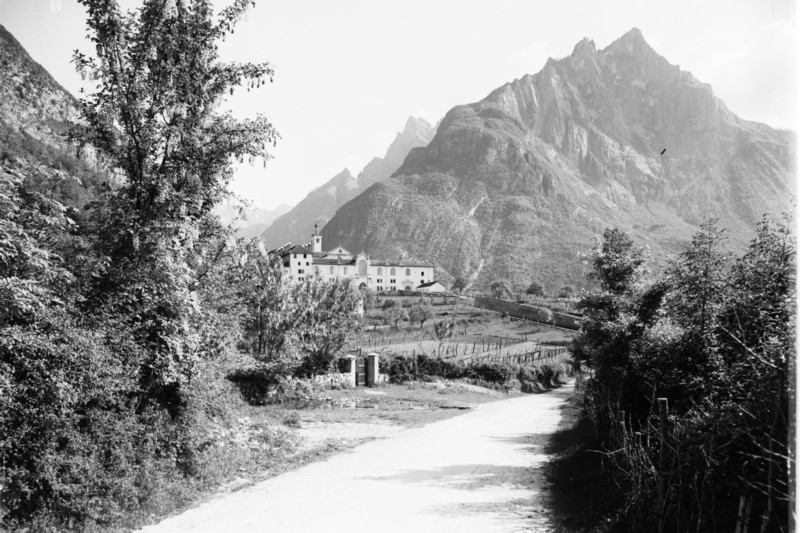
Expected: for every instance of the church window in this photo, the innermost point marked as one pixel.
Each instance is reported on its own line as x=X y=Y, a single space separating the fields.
x=391 y=272
x=380 y=272
x=316 y=270
x=345 y=270
x=331 y=270
x=408 y=272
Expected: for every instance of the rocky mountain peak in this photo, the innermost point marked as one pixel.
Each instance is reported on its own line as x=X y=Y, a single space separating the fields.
x=518 y=182
x=585 y=47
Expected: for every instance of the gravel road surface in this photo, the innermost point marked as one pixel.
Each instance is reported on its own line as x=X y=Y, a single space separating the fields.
x=480 y=472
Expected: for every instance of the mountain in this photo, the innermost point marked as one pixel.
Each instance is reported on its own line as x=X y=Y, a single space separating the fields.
x=35 y=114
x=249 y=221
x=31 y=101
x=321 y=204
x=417 y=132
x=516 y=186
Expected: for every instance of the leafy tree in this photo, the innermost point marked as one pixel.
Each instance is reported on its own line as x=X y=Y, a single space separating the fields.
x=331 y=312
x=459 y=284
x=535 y=289
x=443 y=329
x=420 y=312
x=567 y=291
x=394 y=314
x=154 y=118
x=501 y=290
x=29 y=225
x=616 y=263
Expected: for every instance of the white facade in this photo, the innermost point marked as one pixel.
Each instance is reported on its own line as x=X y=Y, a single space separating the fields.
x=300 y=262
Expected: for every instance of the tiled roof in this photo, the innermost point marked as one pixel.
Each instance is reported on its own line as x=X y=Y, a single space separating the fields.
x=333 y=261
x=404 y=263
x=298 y=250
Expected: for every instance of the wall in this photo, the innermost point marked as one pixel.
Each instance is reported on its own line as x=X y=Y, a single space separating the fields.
x=535 y=314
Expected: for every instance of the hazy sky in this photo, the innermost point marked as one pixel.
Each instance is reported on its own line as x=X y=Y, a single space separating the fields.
x=349 y=73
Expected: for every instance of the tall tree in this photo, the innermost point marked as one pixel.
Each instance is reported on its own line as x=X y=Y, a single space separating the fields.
x=155 y=119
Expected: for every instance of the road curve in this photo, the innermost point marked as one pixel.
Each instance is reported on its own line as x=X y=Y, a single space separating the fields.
x=481 y=472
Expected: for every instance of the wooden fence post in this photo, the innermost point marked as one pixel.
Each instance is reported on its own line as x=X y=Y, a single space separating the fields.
x=663 y=413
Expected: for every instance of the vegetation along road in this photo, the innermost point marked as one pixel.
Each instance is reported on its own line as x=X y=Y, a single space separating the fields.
x=478 y=472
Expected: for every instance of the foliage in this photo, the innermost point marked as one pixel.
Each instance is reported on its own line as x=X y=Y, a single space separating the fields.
x=443 y=329
x=535 y=289
x=714 y=337
x=292 y=326
x=30 y=225
x=501 y=290
x=459 y=284
x=406 y=368
x=420 y=312
x=394 y=314
x=111 y=319
x=567 y=291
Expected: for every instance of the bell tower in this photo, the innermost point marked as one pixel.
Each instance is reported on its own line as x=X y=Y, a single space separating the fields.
x=316 y=240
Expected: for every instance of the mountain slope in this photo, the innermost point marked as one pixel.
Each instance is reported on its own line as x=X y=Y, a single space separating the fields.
x=322 y=203
x=515 y=186
x=35 y=114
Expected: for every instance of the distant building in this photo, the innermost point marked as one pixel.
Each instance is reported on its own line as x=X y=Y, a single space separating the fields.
x=432 y=287
x=301 y=262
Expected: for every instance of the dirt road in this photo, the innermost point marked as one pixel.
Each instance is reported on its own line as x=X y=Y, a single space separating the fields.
x=478 y=472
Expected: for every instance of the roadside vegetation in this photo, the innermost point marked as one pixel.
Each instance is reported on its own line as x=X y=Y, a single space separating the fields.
x=688 y=394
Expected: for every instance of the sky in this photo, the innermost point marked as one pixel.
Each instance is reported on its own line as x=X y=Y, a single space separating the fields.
x=350 y=72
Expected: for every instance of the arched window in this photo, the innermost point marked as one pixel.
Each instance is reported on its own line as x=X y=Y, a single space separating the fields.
x=316 y=270
x=408 y=272
x=380 y=272
x=391 y=272
x=345 y=271
x=332 y=271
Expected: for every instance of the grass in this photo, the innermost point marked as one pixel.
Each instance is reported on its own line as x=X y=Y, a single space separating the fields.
x=583 y=495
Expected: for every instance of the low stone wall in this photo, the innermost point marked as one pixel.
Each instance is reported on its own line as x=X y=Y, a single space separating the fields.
x=535 y=314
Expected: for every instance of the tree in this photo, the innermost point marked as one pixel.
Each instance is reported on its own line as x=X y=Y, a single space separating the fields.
x=443 y=329
x=330 y=313
x=421 y=312
x=394 y=314
x=459 y=284
x=154 y=118
x=501 y=290
x=535 y=289
x=567 y=291
x=616 y=263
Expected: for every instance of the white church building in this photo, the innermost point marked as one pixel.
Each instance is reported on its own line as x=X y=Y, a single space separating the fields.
x=303 y=261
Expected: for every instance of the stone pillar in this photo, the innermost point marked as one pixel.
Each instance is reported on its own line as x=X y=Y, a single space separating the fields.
x=351 y=370
x=372 y=369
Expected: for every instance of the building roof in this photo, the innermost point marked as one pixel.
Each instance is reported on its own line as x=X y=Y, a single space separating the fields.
x=339 y=251
x=429 y=284
x=406 y=263
x=298 y=250
x=333 y=261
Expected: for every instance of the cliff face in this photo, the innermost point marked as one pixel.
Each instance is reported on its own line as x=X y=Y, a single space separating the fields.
x=32 y=103
x=515 y=186
x=322 y=203
x=35 y=115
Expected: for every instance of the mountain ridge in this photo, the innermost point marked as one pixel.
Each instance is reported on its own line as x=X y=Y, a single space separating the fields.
x=516 y=185
x=321 y=204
